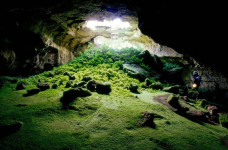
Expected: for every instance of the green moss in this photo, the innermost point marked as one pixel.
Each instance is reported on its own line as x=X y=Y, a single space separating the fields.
x=98 y=121
x=223 y=119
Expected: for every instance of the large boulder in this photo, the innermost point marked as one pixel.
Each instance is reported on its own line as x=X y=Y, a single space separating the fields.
x=156 y=86
x=32 y=92
x=43 y=86
x=72 y=94
x=151 y=60
x=173 y=100
x=172 y=89
x=9 y=127
x=91 y=85
x=103 y=88
x=134 y=88
x=21 y=86
x=135 y=71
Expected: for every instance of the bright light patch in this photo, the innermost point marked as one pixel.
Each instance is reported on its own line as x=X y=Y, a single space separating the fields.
x=113 y=24
x=194 y=85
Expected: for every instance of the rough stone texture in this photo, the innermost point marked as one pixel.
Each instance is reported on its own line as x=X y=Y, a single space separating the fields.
x=213 y=110
x=135 y=71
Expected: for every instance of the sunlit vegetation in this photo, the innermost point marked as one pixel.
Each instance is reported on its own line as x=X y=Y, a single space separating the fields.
x=99 y=121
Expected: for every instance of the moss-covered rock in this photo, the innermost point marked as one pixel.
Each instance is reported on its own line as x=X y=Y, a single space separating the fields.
x=193 y=93
x=43 y=86
x=8 y=127
x=173 y=100
x=156 y=86
x=72 y=94
x=72 y=77
x=172 y=89
x=223 y=120
x=21 y=86
x=103 y=88
x=203 y=102
x=51 y=74
x=68 y=84
x=32 y=92
x=147 y=83
x=91 y=85
x=54 y=86
x=86 y=78
x=135 y=71
x=134 y=88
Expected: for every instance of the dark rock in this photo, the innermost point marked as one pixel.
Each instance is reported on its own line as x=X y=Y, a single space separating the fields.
x=72 y=94
x=223 y=120
x=172 y=89
x=134 y=88
x=192 y=93
x=54 y=86
x=91 y=85
x=173 y=100
x=21 y=86
x=148 y=120
x=156 y=86
x=32 y=92
x=87 y=78
x=151 y=60
x=135 y=71
x=10 y=127
x=68 y=84
x=213 y=110
x=80 y=84
x=66 y=74
x=43 y=86
x=72 y=77
x=198 y=116
x=103 y=88
x=51 y=74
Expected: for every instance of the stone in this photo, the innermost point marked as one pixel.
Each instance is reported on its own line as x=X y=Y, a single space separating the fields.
x=91 y=85
x=54 y=86
x=72 y=77
x=198 y=116
x=9 y=127
x=173 y=100
x=72 y=94
x=103 y=88
x=32 y=92
x=86 y=78
x=21 y=86
x=151 y=60
x=43 y=86
x=135 y=71
x=156 y=86
x=223 y=120
x=193 y=93
x=68 y=84
x=172 y=89
x=66 y=74
x=148 y=120
x=213 y=110
x=51 y=74
x=80 y=84
x=134 y=88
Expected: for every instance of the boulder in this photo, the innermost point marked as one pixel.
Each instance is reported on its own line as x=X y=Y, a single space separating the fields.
x=198 y=116
x=192 y=93
x=213 y=110
x=135 y=71
x=172 y=89
x=21 y=86
x=134 y=88
x=86 y=78
x=103 y=88
x=80 y=84
x=43 y=86
x=54 y=86
x=72 y=94
x=156 y=86
x=148 y=120
x=151 y=60
x=32 y=92
x=173 y=100
x=72 y=77
x=91 y=85
x=68 y=84
x=9 y=127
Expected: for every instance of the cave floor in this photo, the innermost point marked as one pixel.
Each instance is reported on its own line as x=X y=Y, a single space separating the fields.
x=100 y=122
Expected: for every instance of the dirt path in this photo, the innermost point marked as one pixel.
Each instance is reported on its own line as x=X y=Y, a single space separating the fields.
x=163 y=100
